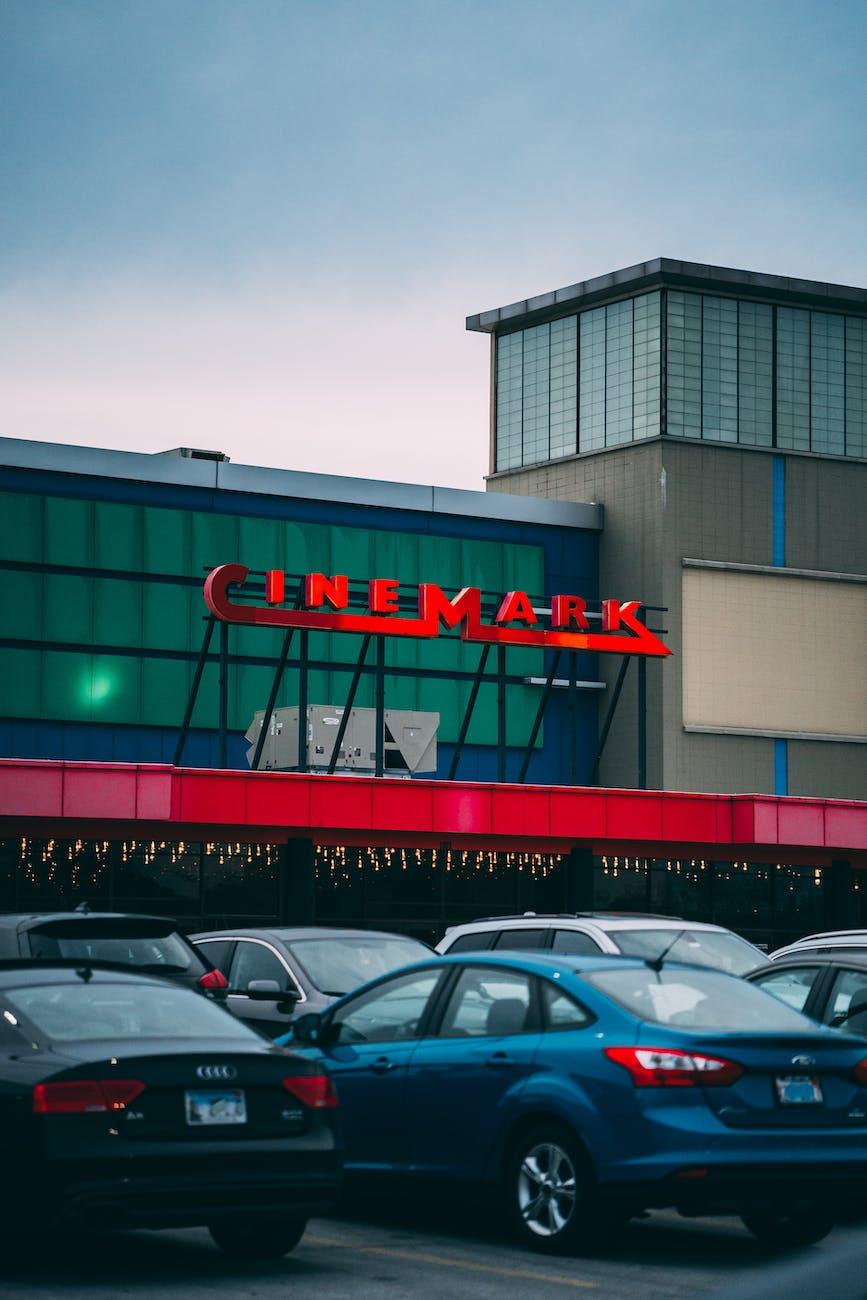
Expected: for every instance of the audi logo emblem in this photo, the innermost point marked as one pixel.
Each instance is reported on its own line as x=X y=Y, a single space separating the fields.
x=216 y=1072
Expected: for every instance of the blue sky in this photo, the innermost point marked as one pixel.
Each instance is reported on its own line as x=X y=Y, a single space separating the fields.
x=259 y=224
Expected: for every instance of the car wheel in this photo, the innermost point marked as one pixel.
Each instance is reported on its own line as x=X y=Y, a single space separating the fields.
x=257 y=1237
x=550 y=1186
x=789 y=1228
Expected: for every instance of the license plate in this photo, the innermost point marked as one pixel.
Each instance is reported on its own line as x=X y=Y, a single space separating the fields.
x=798 y=1090
x=216 y=1106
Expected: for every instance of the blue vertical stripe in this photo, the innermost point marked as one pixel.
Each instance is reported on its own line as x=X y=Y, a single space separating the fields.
x=778 y=558
x=778 y=512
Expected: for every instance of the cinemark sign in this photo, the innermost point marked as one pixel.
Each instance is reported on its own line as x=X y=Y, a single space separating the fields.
x=324 y=600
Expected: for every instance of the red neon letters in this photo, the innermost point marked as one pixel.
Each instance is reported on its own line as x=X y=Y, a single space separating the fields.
x=622 y=629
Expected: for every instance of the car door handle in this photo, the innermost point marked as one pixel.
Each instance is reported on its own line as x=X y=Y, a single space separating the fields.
x=499 y=1061
x=381 y=1065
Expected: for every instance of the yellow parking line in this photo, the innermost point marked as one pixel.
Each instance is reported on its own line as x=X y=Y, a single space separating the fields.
x=393 y=1252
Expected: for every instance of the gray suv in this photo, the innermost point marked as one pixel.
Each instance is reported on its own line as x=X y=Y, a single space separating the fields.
x=274 y=973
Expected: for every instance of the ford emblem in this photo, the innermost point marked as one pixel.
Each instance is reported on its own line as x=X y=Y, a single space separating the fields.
x=212 y=1072
x=803 y=1062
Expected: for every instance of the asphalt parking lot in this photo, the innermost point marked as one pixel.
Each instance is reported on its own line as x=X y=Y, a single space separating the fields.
x=414 y=1251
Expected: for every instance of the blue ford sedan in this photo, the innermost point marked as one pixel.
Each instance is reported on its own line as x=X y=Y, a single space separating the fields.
x=584 y=1090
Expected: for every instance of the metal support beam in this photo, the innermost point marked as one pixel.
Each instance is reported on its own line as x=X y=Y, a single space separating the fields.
x=350 y=700
x=224 y=695
x=609 y=716
x=573 y=718
x=380 y=706
x=501 y=713
x=642 y=723
x=537 y=721
x=194 y=689
x=303 y=680
x=468 y=711
x=272 y=697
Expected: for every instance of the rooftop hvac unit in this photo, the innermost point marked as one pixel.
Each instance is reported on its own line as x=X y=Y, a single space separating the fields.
x=410 y=743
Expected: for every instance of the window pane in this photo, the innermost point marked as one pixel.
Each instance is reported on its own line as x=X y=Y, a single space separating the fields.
x=618 y=373
x=591 y=415
x=856 y=386
x=755 y=373
x=488 y=1003
x=561 y=1012
x=563 y=386
x=573 y=941
x=390 y=1011
x=847 y=1005
x=791 y=986
x=719 y=372
x=509 y=400
x=521 y=940
x=793 y=379
x=827 y=364
x=698 y=999
x=253 y=961
x=474 y=942
x=646 y=366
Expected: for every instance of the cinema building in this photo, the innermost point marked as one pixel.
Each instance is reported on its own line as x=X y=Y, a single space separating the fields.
x=630 y=675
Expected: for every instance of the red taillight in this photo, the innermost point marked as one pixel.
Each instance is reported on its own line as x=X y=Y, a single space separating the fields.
x=80 y=1096
x=663 y=1067
x=860 y=1073
x=213 y=979
x=315 y=1090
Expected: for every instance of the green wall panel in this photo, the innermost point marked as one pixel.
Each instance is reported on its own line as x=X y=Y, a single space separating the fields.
x=166 y=540
x=21 y=526
x=167 y=616
x=22 y=600
x=68 y=531
x=117 y=612
x=117 y=536
x=20 y=684
x=67 y=608
x=66 y=686
x=115 y=690
x=165 y=686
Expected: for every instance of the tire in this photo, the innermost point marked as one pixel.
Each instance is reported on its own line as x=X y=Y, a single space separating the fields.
x=550 y=1192
x=789 y=1229
x=257 y=1237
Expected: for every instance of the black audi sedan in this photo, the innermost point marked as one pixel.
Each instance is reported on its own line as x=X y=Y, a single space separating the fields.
x=129 y=1101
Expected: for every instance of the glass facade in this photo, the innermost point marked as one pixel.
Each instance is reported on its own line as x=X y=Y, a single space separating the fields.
x=735 y=371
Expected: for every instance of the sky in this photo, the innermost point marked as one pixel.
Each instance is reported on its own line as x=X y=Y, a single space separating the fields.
x=257 y=226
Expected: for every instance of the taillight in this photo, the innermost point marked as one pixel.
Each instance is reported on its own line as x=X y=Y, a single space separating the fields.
x=213 y=979
x=315 y=1090
x=661 y=1067
x=80 y=1096
x=860 y=1073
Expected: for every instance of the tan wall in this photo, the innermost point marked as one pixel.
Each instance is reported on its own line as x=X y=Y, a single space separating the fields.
x=777 y=654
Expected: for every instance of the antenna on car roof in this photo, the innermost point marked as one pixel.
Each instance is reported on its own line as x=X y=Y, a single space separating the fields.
x=84 y=973
x=84 y=909
x=656 y=963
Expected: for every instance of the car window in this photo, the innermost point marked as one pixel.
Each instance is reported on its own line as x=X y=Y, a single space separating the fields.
x=520 y=939
x=480 y=941
x=337 y=965
x=561 y=1011
x=847 y=1005
x=487 y=1003
x=166 y=953
x=575 y=942
x=392 y=1010
x=716 y=948
x=216 y=953
x=97 y=1009
x=791 y=985
x=697 y=999
x=253 y=961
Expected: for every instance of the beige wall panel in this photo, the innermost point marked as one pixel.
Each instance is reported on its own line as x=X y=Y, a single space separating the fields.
x=777 y=654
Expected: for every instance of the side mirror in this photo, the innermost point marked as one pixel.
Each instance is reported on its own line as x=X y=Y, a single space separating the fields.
x=269 y=991
x=308 y=1028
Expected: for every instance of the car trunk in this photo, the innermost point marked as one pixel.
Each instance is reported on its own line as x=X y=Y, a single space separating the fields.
x=789 y=1081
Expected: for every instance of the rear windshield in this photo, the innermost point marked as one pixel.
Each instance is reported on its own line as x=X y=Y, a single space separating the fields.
x=98 y=1010
x=339 y=964
x=157 y=954
x=698 y=999
x=715 y=948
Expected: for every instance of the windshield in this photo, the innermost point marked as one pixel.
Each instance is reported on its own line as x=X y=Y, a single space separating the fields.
x=698 y=999
x=716 y=948
x=156 y=953
x=96 y=1010
x=339 y=964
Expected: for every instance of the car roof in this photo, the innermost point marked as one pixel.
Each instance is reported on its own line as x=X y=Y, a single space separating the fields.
x=541 y=962
x=841 y=956
x=288 y=933
x=602 y=920
x=26 y=971
x=20 y=920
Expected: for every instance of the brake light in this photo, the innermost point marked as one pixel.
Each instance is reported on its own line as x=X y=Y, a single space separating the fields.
x=860 y=1073
x=213 y=979
x=81 y=1096
x=661 y=1067
x=315 y=1090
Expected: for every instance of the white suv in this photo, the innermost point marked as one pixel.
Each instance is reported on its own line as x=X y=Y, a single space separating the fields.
x=588 y=934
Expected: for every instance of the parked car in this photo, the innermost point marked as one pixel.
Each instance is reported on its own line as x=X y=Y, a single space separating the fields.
x=575 y=1089
x=151 y=944
x=589 y=933
x=273 y=975
x=826 y=986
x=126 y=1100
x=831 y=942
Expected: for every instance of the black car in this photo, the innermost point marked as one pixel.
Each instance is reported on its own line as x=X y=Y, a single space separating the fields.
x=151 y=944
x=274 y=974
x=126 y=1100
x=826 y=986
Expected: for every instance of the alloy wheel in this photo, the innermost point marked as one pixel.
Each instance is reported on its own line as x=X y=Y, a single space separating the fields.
x=546 y=1189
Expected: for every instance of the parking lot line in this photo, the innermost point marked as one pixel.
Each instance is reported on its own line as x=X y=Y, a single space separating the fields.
x=445 y=1261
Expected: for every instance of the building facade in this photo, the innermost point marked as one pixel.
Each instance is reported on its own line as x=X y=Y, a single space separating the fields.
x=720 y=418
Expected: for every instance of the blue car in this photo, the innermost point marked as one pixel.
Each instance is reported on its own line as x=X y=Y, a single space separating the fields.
x=584 y=1090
